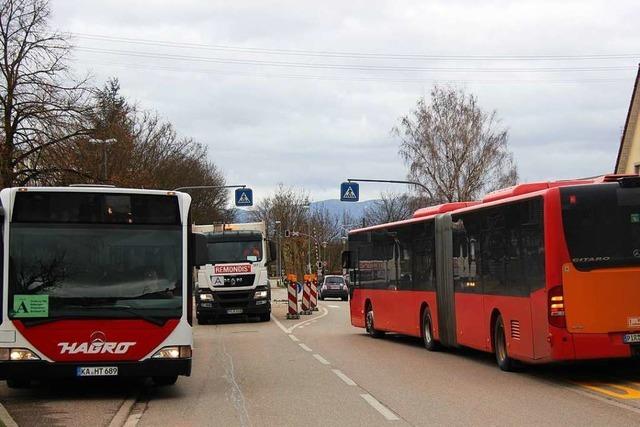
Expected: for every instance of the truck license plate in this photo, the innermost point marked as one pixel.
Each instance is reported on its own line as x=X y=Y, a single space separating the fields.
x=631 y=338
x=234 y=311
x=97 y=371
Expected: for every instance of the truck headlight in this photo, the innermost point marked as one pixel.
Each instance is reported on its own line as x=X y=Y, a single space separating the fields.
x=16 y=354
x=260 y=294
x=173 y=352
x=206 y=297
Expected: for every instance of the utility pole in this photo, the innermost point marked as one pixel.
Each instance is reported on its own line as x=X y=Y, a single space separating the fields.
x=278 y=229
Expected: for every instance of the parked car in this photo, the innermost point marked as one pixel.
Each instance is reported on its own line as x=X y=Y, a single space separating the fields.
x=334 y=286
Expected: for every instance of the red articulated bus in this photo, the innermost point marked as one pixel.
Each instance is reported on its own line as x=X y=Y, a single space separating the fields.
x=537 y=273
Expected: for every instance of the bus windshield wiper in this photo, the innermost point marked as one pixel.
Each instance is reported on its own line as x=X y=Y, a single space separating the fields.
x=116 y=307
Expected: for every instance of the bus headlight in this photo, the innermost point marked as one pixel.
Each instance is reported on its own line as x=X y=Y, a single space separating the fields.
x=16 y=354
x=206 y=297
x=260 y=294
x=173 y=352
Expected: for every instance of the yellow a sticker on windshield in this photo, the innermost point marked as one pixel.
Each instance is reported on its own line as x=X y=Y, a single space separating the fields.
x=31 y=306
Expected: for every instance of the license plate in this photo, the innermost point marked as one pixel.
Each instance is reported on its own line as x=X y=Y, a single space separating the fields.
x=631 y=338
x=234 y=311
x=97 y=371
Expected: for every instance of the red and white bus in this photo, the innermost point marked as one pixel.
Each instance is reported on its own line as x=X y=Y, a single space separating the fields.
x=537 y=272
x=96 y=281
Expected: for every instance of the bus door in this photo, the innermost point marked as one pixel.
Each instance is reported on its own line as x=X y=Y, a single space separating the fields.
x=444 y=281
x=467 y=286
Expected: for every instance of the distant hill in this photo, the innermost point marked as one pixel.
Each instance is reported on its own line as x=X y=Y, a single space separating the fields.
x=333 y=206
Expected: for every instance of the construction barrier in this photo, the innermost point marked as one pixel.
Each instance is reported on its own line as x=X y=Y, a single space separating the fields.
x=306 y=308
x=292 y=290
x=314 y=295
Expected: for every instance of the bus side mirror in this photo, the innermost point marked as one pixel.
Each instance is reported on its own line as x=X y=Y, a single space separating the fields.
x=200 y=249
x=346 y=259
x=273 y=251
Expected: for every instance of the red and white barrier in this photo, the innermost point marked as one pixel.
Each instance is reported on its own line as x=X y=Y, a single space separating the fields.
x=306 y=308
x=314 y=296
x=292 y=291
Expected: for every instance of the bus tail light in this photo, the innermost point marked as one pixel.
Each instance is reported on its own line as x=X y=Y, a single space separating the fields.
x=556 y=308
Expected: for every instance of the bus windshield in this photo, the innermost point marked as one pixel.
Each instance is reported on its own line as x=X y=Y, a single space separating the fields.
x=80 y=254
x=96 y=271
x=235 y=251
x=602 y=225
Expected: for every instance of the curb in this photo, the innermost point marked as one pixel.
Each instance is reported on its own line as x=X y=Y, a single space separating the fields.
x=120 y=418
x=5 y=418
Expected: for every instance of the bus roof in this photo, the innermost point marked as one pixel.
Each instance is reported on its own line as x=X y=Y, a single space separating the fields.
x=515 y=192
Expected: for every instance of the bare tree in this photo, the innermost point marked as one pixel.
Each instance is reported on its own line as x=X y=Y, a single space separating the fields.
x=392 y=207
x=42 y=104
x=454 y=148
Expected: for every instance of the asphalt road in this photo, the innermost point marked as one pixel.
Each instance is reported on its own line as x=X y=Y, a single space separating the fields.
x=319 y=370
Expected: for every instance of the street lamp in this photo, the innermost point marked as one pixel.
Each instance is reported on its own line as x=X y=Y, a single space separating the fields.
x=104 y=143
x=279 y=228
x=308 y=208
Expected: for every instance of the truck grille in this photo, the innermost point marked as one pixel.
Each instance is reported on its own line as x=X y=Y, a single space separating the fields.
x=233 y=298
x=240 y=280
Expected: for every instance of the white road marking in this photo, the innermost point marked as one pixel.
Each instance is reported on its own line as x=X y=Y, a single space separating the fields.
x=334 y=306
x=304 y=347
x=343 y=377
x=280 y=325
x=384 y=411
x=321 y=359
x=320 y=316
x=5 y=418
x=302 y=326
x=297 y=325
x=293 y=338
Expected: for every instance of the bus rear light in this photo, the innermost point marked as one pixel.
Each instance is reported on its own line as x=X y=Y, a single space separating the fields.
x=556 y=307
x=17 y=354
x=173 y=352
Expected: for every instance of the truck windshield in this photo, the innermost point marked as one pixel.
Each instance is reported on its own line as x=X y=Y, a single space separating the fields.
x=602 y=225
x=235 y=251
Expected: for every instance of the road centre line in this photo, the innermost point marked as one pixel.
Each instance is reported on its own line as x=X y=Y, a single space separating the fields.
x=343 y=377
x=384 y=411
x=321 y=359
x=304 y=347
x=293 y=338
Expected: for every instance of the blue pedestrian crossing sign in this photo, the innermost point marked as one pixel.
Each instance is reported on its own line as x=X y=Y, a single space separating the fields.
x=349 y=192
x=244 y=197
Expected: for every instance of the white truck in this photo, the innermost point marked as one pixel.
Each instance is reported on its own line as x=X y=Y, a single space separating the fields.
x=235 y=280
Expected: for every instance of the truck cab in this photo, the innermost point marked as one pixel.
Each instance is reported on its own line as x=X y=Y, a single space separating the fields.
x=235 y=280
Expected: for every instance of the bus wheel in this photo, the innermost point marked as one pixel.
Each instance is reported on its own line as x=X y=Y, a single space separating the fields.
x=427 y=332
x=18 y=383
x=163 y=381
x=370 y=327
x=500 y=345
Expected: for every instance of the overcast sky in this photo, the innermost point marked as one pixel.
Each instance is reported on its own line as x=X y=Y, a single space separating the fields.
x=306 y=93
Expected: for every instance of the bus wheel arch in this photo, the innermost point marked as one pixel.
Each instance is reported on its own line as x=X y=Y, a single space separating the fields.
x=499 y=343
x=369 y=322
